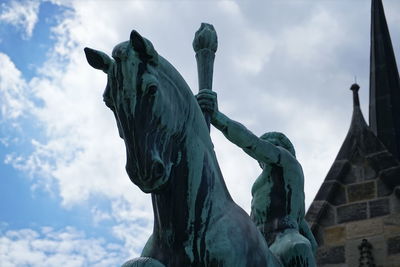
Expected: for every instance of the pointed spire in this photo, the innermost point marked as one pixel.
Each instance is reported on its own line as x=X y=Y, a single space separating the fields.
x=358 y=132
x=356 y=100
x=384 y=108
x=358 y=123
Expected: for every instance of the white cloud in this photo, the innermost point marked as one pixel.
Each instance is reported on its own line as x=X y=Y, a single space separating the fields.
x=256 y=48
x=139 y=233
x=21 y=14
x=311 y=38
x=13 y=90
x=48 y=247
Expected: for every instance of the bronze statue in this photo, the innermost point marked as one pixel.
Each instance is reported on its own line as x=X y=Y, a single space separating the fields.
x=170 y=155
x=277 y=206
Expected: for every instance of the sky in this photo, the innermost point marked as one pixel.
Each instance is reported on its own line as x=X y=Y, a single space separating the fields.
x=65 y=198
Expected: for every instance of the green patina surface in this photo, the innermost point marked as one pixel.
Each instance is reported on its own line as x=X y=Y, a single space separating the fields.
x=170 y=155
x=277 y=206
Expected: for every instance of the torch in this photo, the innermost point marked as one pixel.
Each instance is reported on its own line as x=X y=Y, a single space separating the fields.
x=205 y=45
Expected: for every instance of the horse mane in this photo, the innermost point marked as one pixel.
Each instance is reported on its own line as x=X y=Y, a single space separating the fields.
x=190 y=109
x=194 y=115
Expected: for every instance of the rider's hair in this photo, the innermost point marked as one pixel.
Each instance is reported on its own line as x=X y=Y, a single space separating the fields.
x=279 y=139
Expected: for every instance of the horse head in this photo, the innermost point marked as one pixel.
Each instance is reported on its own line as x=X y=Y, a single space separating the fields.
x=149 y=100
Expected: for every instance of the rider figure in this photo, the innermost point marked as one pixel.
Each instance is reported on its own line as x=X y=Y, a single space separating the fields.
x=277 y=207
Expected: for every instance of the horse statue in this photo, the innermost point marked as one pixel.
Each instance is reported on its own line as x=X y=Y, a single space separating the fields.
x=170 y=155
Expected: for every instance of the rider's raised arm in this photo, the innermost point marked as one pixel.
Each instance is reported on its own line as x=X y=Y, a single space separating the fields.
x=238 y=134
x=235 y=132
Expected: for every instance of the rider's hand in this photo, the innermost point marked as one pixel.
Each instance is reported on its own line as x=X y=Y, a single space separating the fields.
x=207 y=100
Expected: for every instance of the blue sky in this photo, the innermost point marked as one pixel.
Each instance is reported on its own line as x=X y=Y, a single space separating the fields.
x=26 y=44
x=64 y=196
x=26 y=51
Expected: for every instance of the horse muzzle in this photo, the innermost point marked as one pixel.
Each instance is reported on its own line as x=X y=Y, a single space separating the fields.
x=152 y=180
x=157 y=170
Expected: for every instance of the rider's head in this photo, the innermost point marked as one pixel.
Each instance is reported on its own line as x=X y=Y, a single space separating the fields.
x=279 y=139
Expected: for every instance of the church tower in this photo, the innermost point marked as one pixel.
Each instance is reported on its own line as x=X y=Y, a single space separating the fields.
x=355 y=216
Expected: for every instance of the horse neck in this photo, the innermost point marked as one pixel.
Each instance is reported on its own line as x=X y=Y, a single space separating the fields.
x=197 y=192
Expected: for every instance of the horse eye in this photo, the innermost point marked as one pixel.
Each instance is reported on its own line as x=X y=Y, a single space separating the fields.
x=152 y=89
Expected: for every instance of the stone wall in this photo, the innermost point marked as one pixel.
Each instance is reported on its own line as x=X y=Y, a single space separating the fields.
x=354 y=207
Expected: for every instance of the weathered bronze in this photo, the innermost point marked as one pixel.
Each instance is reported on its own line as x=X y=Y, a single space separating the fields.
x=171 y=156
x=205 y=45
x=277 y=207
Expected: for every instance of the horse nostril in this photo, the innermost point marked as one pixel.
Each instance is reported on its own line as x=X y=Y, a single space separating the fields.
x=152 y=90
x=158 y=169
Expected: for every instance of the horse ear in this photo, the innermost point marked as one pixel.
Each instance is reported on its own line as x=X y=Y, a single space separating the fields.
x=144 y=48
x=98 y=59
x=138 y=42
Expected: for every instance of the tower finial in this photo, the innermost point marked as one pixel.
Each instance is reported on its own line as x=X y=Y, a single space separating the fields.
x=356 y=100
